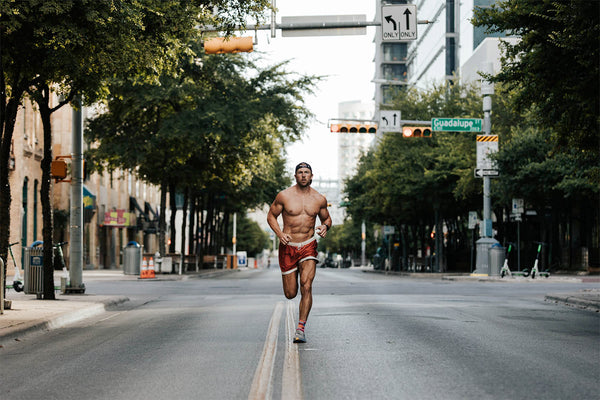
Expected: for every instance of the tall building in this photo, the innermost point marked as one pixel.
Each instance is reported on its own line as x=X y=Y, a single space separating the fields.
x=441 y=47
x=351 y=145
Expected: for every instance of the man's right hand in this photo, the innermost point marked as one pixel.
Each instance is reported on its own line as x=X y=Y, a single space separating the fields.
x=285 y=238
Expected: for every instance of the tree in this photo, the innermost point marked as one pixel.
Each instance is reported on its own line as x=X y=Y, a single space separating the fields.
x=555 y=66
x=72 y=48
x=417 y=184
x=216 y=129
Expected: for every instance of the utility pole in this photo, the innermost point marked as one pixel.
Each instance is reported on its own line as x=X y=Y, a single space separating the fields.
x=482 y=266
x=76 y=216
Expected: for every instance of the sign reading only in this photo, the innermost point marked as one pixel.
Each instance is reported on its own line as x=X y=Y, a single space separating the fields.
x=399 y=22
x=456 y=124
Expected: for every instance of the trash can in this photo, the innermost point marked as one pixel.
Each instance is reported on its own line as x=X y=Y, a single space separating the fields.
x=33 y=266
x=132 y=258
x=496 y=259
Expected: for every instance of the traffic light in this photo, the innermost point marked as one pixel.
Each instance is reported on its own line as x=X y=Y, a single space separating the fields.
x=58 y=169
x=353 y=128
x=219 y=45
x=416 y=131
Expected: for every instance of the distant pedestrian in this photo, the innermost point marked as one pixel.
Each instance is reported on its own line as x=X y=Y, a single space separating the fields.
x=299 y=207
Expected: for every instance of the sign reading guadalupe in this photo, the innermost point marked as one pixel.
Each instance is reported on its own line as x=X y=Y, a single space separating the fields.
x=119 y=218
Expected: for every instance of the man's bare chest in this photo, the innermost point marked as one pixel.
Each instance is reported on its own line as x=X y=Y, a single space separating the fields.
x=298 y=207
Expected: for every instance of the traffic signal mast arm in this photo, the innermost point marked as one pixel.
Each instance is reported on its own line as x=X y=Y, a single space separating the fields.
x=304 y=25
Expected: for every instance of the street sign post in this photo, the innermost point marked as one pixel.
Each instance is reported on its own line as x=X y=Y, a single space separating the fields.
x=389 y=120
x=456 y=124
x=399 y=22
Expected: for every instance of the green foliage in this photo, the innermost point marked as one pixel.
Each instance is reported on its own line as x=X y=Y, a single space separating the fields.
x=347 y=238
x=250 y=237
x=219 y=127
x=404 y=180
x=555 y=66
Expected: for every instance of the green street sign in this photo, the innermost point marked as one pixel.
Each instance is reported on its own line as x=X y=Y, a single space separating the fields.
x=456 y=124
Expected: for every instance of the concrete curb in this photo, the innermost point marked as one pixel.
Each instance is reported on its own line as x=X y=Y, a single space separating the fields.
x=62 y=319
x=587 y=300
x=466 y=277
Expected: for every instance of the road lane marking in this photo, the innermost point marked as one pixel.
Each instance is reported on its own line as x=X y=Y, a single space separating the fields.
x=291 y=383
x=262 y=385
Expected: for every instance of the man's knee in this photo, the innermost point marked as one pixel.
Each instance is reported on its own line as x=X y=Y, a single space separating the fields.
x=290 y=294
x=306 y=287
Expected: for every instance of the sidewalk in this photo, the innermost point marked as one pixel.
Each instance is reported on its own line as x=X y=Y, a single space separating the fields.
x=588 y=299
x=28 y=315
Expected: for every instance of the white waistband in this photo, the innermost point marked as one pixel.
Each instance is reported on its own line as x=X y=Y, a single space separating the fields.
x=302 y=243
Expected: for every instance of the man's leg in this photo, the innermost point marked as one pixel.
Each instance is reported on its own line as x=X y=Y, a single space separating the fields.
x=307 y=275
x=290 y=284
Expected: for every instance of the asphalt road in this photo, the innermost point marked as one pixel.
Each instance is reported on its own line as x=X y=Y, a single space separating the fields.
x=370 y=336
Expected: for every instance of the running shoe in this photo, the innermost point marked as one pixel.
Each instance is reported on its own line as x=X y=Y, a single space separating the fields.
x=299 y=337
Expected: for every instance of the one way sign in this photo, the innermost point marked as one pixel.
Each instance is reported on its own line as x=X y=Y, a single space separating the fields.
x=399 y=22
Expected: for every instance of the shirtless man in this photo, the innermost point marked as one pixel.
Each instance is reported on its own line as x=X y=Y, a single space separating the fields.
x=299 y=206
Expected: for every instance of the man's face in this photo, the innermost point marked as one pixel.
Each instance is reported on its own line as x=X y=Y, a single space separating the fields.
x=303 y=177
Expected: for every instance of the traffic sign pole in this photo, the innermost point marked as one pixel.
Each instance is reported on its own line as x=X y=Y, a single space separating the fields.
x=486 y=242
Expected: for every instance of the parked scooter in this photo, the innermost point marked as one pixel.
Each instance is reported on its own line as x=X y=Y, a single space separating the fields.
x=535 y=271
x=505 y=271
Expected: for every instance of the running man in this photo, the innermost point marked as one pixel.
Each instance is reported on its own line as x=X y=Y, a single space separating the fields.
x=299 y=207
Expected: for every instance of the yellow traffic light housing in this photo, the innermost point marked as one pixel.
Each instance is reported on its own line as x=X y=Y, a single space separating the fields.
x=219 y=45
x=353 y=128
x=58 y=169
x=416 y=131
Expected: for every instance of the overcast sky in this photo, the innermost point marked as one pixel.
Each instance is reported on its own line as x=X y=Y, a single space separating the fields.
x=347 y=61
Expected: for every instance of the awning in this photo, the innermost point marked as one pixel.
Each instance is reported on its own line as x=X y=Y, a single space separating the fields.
x=89 y=200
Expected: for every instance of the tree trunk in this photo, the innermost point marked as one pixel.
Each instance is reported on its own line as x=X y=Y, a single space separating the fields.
x=193 y=216
x=173 y=206
x=46 y=195
x=162 y=221
x=8 y=118
x=184 y=220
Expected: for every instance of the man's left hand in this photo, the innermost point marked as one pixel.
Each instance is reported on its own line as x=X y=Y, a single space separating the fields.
x=322 y=230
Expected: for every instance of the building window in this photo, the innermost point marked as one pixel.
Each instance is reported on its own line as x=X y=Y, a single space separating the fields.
x=394 y=72
x=395 y=52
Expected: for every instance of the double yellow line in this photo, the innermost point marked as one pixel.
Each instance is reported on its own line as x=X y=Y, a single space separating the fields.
x=291 y=386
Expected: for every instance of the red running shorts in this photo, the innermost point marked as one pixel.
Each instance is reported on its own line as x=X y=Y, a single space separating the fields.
x=292 y=254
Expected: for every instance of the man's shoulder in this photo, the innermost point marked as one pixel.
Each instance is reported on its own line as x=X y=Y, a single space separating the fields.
x=284 y=194
x=318 y=195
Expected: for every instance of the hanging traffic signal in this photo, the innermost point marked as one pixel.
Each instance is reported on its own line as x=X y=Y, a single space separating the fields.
x=219 y=45
x=353 y=128
x=416 y=131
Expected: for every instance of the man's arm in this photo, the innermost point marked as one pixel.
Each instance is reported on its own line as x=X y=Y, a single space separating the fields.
x=274 y=212
x=325 y=219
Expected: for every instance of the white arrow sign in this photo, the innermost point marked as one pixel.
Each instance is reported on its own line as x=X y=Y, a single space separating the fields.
x=399 y=22
x=389 y=121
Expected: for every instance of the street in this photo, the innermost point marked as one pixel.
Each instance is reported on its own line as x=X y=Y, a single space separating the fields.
x=370 y=336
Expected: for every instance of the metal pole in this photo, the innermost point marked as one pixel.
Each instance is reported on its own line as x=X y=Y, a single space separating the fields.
x=273 y=19
x=76 y=216
x=518 y=245
x=363 y=244
x=486 y=241
x=234 y=240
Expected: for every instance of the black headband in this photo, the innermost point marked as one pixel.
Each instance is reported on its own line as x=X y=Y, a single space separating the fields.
x=303 y=165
